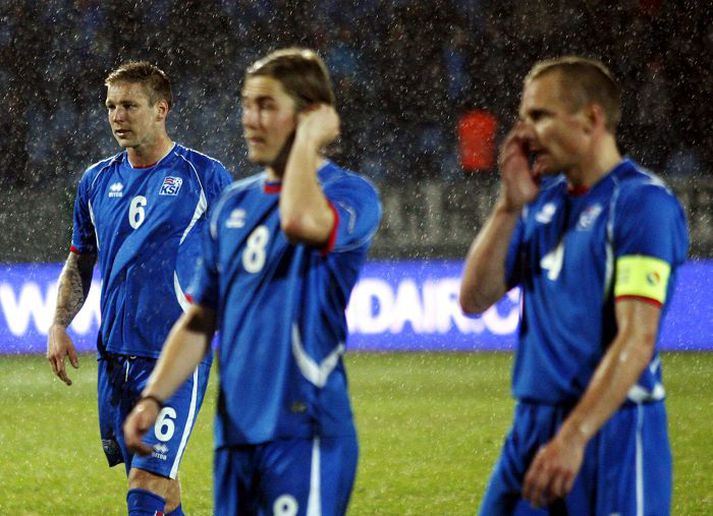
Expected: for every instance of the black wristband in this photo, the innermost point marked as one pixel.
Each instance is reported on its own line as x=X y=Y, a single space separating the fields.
x=150 y=397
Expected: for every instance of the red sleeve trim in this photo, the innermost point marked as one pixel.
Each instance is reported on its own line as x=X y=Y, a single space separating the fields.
x=648 y=300
x=329 y=246
x=73 y=249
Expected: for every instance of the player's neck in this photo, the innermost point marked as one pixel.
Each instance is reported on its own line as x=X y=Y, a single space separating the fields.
x=598 y=164
x=277 y=173
x=142 y=157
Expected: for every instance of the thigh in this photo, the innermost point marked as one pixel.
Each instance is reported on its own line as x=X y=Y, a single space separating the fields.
x=234 y=481
x=533 y=426
x=633 y=462
x=307 y=476
x=109 y=411
x=175 y=422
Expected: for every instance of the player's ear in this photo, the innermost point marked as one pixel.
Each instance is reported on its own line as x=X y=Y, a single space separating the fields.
x=161 y=109
x=594 y=117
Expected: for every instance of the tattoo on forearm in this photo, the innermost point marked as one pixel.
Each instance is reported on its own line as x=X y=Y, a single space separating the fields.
x=74 y=283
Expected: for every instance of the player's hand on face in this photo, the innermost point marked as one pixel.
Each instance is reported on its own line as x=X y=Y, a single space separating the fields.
x=552 y=472
x=519 y=184
x=319 y=123
x=137 y=423
x=60 y=347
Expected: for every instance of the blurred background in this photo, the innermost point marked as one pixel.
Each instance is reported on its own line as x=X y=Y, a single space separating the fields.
x=426 y=90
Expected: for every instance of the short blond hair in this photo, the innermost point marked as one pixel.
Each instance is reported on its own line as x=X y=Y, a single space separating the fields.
x=584 y=81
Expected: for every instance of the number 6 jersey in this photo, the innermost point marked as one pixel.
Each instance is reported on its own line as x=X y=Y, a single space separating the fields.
x=281 y=309
x=144 y=225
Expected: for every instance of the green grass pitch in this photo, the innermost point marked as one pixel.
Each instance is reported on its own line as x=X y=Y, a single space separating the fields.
x=430 y=428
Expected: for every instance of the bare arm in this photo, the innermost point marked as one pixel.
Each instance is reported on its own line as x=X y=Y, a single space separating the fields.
x=186 y=345
x=74 y=283
x=484 y=281
x=554 y=468
x=305 y=215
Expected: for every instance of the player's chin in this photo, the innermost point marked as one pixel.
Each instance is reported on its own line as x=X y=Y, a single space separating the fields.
x=125 y=143
x=259 y=158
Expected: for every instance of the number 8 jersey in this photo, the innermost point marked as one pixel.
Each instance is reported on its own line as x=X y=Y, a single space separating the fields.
x=144 y=224
x=281 y=309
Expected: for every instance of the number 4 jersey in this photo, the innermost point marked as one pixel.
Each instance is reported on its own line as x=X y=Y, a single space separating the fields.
x=573 y=256
x=281 y=309
x=145 y=226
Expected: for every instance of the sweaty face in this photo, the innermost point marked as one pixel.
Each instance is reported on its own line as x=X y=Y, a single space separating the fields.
x=134 y=122
x=556 y=135
x=268 y=117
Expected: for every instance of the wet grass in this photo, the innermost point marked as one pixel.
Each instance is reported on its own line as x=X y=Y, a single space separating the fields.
x=430 y=429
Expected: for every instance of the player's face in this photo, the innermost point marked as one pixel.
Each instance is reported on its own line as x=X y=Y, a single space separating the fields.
x=557 y=136
x=269 y=119
x=134 y=122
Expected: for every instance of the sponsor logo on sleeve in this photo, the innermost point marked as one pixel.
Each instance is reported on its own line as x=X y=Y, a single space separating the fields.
x=236 y=219
x=116 y=190
x=544 y=216
x=171 y=185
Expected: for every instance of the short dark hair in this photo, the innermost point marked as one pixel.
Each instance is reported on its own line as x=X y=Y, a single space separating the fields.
x=301 y=72
x=155 y=80
x=584 y=80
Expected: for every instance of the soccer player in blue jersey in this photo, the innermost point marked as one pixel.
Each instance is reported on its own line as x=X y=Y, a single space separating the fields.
x=283 y=251
x=140 y=213
x=594 y=242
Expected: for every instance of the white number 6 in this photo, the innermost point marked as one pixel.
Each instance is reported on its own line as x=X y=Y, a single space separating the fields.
x=164 y=426
x=136 y=211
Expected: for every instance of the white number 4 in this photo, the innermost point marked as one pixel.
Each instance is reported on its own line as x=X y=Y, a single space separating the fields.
x=552 y=262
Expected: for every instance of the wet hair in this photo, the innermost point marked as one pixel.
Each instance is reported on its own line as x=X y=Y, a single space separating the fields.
x=584 y=81
x=300 y=71
x=152 y=78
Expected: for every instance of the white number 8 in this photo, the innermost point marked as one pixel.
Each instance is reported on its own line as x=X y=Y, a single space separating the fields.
x=136 y=211
x=254 y=254
x=164 y=426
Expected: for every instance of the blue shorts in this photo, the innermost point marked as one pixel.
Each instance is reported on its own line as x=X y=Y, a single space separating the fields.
x=120 y=382
x=291 y=477
x=626 y=467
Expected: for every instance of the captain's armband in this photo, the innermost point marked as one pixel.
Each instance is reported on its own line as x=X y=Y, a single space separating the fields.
x=642 y=276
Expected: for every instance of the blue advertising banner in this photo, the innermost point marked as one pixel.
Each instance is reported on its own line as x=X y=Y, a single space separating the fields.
x=396 y=306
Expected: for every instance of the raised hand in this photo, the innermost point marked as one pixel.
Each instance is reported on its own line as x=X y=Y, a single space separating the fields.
x=319 y=124
x=519 y=183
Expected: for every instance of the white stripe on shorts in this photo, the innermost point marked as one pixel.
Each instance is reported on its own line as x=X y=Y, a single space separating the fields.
x=314 y=503
x=188 y=426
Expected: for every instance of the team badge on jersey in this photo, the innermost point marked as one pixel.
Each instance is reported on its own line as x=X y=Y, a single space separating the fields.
x=171 y=185
x=588 y=216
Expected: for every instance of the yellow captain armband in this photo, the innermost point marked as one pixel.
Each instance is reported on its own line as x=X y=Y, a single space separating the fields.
x=642 y=276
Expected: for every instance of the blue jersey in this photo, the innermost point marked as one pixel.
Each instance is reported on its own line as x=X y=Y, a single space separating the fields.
x=281 y=309
x=145 y=226
x=573 y=255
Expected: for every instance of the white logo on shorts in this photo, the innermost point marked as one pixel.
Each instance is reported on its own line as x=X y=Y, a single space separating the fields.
x=160 y=451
